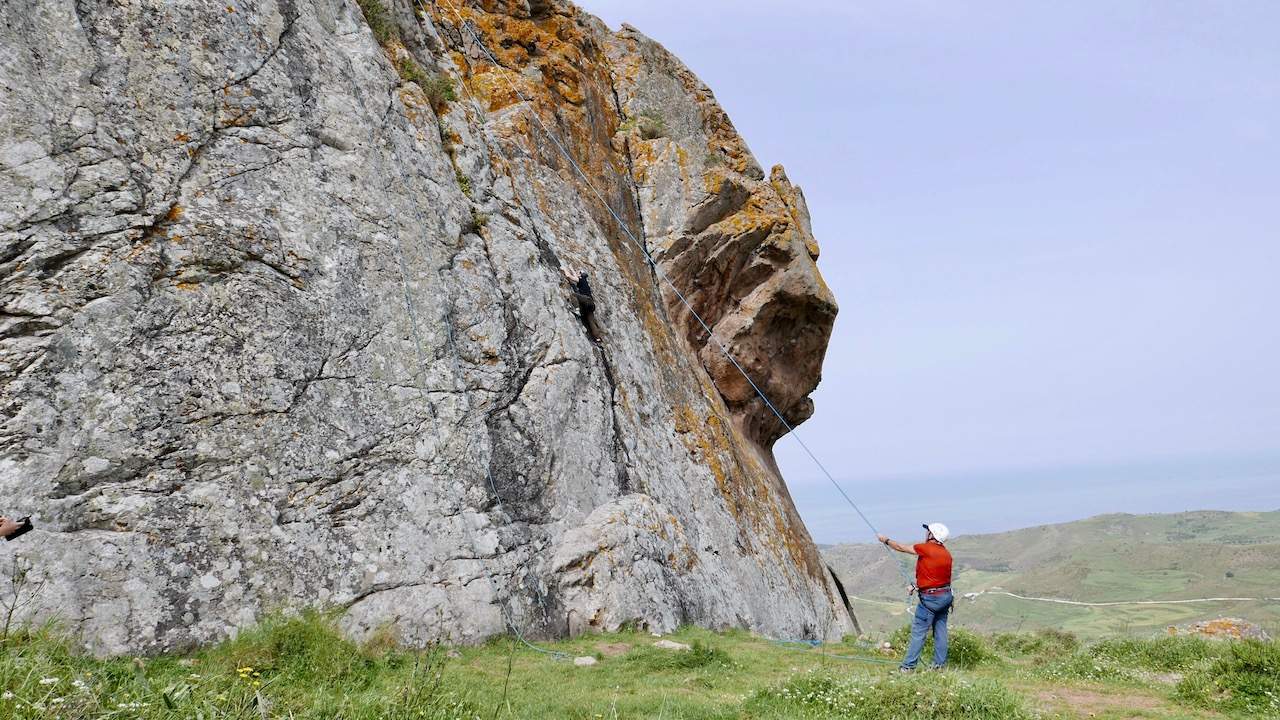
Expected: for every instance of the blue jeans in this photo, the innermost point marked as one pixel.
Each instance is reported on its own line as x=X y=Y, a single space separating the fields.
x=932 y=612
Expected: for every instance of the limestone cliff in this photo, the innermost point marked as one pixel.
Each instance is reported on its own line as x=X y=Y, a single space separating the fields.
x=284 y=321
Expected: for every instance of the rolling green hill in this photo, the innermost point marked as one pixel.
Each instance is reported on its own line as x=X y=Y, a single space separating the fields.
x=1102 y=559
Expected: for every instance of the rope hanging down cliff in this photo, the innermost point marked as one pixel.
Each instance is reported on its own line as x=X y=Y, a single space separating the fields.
x=464 y=26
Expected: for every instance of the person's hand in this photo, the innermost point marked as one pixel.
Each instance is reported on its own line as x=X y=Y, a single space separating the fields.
x=8 y=527
x=884 y=539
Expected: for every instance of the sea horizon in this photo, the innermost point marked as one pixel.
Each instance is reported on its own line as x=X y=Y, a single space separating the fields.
x=975 y=502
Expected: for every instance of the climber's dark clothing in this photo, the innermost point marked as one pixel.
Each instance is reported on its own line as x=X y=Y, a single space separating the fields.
x=587 y=303
x=582 y=291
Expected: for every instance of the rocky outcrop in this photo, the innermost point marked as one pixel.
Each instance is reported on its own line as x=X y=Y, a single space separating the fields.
x=283 y=322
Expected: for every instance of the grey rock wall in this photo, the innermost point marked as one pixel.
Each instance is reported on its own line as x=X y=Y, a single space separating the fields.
x=280 y=327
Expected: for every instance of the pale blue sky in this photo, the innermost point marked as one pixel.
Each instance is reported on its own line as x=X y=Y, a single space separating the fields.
x=1054 y=232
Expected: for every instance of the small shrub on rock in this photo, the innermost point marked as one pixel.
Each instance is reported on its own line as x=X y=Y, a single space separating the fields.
x=650 y=124
x=438 y=87
x=380 y=22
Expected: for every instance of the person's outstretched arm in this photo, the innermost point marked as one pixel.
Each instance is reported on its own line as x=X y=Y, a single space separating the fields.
x=896 y=545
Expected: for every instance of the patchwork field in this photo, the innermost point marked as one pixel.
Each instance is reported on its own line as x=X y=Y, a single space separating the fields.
x=1103 y=559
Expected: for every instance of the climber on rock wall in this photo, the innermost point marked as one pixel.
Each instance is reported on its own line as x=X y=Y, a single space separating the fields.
x=586 y=302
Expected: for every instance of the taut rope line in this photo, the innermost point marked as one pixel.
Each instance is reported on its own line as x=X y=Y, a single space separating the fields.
x=503 y=72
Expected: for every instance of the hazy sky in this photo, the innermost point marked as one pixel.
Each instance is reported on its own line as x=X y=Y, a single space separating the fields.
x=1054 y=233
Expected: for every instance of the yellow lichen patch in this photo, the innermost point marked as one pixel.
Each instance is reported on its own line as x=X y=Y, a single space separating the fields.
x=682 y=158
x=557 y=44
x=660 y=335
x=643 y=157
x=811 y=246
x=459 y=60
x=494 y=88
x=713 y=182
x=749 y=490
x=554 y=65
x=748 y=222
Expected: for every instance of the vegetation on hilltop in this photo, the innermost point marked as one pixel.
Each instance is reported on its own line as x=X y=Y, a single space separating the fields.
x=1102 y=559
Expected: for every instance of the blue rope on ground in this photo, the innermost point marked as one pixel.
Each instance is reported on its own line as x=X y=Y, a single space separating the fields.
x=810 y=643
x=816 y=644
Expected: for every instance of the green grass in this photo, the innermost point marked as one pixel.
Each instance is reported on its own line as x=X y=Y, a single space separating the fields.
x=302 y=668
x=965 y=649
x=699 y=656
x=1045 y=642
x=1166 y=654
x=464 y=182
x=940 y=697
x=1244 y=678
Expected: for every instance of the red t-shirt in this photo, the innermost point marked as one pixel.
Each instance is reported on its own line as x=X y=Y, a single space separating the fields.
x=933 y=565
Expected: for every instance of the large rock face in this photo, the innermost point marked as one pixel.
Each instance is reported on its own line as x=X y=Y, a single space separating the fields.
x=283 y=324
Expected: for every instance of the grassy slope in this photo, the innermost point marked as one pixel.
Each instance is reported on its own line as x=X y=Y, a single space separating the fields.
x=303 y=669
x=1106 y=558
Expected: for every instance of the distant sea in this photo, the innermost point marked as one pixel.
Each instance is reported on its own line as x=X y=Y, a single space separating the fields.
x=985 y=502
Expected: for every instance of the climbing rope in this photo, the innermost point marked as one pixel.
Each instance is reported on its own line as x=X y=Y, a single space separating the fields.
x=503 y=72
x=806 y=645
x=421 y=354
x=497 y=497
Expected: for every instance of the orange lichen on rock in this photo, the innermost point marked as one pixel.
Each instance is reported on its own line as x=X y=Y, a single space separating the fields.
x=737 y=244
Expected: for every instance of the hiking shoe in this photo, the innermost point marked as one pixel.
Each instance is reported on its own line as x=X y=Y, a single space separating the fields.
x=905 y=670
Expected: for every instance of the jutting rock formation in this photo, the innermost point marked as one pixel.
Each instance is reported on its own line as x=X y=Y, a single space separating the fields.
x=284 y=322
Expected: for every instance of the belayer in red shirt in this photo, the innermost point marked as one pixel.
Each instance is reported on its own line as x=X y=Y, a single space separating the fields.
x=933 y=583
